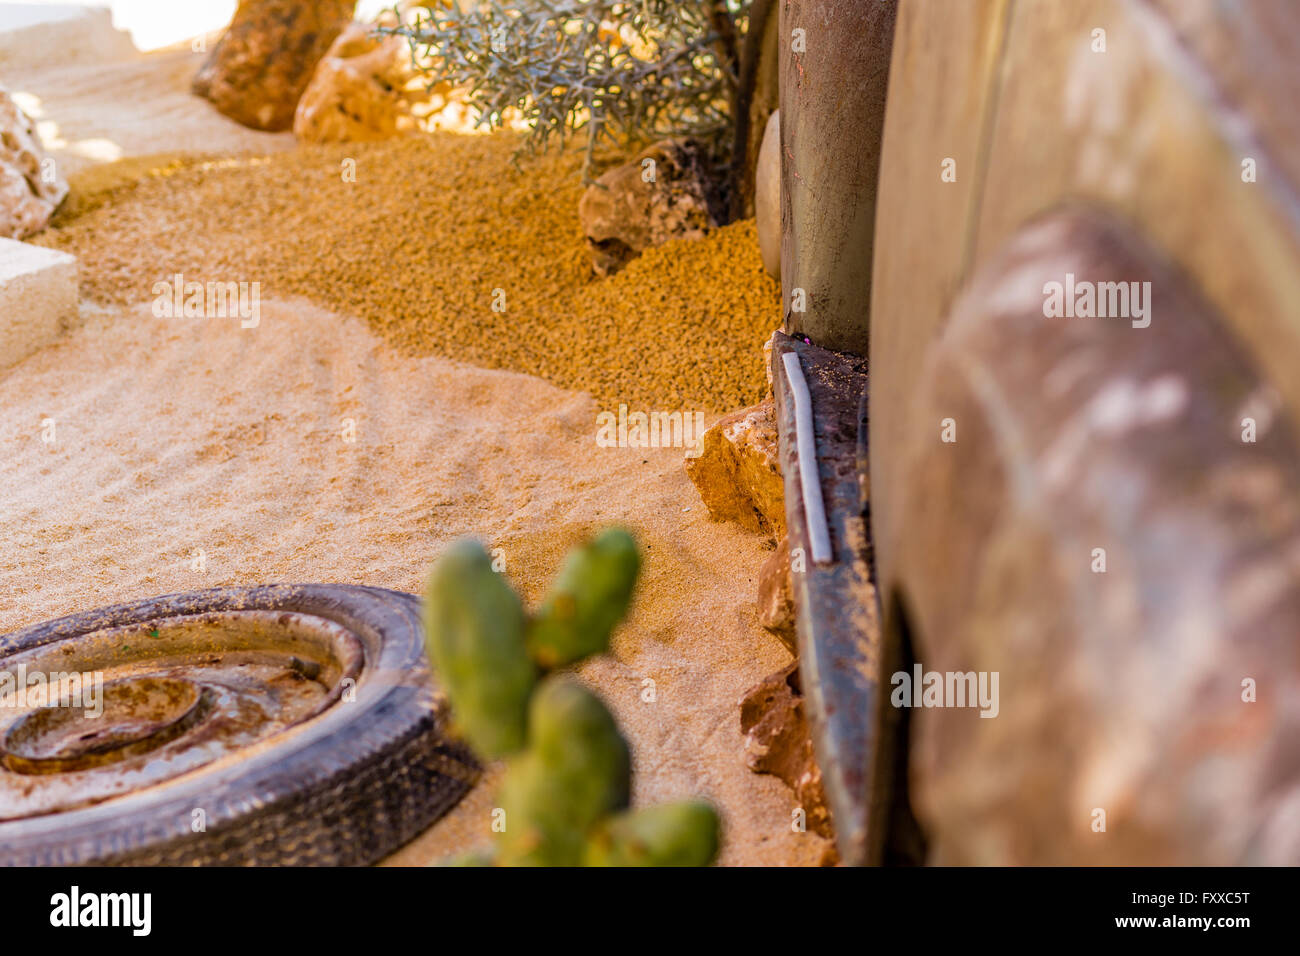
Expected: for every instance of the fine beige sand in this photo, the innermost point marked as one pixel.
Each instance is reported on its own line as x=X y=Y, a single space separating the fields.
x=89 y=113
x=135 y=445
x=178 y=436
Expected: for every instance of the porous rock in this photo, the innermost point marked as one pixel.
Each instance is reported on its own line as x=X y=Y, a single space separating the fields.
x=258 y=71
x=364 y=89
x=664 y=193
x=775 y=596
x=777 y=742
x=30 y=185
x=738 y=470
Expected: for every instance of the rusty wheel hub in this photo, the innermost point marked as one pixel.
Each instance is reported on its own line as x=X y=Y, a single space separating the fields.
x=200 y=728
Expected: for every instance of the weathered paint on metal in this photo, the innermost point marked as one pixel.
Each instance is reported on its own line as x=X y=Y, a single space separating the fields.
x=834 y=74
x=835 y=603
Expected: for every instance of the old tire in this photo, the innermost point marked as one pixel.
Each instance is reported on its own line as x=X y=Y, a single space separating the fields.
x=346 y=786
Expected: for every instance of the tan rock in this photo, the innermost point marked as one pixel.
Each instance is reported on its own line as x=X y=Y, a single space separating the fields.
x=777 y=742
x=664 y=193
x=738 y=470
x=776 y=598
x=767 y=361
x=767 y=196
x=31 y=187
x=258 y=71
x=364 y=89
x=38 y=298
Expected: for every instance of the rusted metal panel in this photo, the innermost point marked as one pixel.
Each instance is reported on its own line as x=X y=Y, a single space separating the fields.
x=1157 y=127
x=941 y=91
x=835 y=602
x=834 y=76
x=1111 y=536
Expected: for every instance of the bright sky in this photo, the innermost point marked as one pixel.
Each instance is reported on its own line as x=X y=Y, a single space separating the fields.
x=154 y=23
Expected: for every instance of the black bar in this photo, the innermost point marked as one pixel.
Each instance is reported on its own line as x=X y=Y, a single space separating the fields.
x=426 y=908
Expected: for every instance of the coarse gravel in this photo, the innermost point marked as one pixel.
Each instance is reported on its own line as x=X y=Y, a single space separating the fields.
x=445 y=244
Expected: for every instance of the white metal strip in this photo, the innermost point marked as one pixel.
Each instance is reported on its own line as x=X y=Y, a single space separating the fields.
x=810 y=484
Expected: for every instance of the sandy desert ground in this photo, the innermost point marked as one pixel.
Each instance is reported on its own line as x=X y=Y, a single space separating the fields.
x=174 y=437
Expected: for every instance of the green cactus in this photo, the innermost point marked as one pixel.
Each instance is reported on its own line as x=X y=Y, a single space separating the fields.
x=573 y=733
x=676 y=834
x=589 y=597
x=577 y=769
x=474 y=858
x=569 y=770
x=474 y=628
